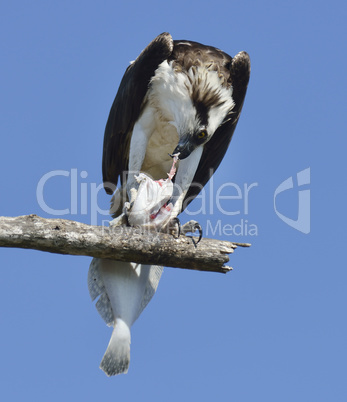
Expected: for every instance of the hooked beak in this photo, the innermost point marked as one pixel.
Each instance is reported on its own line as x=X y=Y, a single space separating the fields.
x=184 y=147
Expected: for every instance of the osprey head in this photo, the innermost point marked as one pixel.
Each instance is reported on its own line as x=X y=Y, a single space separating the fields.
x=204 y=105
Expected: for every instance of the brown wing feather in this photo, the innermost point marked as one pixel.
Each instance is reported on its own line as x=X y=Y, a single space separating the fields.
x=126 y=109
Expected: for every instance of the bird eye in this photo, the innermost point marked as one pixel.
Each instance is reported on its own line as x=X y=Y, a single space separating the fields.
x=202 y=134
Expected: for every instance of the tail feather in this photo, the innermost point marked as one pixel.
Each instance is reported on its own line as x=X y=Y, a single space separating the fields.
x=117 y=356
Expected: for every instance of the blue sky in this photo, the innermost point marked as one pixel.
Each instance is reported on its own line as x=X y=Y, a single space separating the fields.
x=275 y=328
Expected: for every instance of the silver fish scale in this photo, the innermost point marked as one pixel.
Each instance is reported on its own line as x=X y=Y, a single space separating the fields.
x=103 y=305
x=95 y=283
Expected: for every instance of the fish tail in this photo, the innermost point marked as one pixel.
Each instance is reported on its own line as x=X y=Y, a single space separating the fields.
x=117 y=356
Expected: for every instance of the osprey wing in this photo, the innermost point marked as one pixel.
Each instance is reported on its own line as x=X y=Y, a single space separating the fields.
x=216 y=148
x=127 y=107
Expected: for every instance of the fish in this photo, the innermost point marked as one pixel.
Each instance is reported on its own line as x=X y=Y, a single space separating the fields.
x=124 y=289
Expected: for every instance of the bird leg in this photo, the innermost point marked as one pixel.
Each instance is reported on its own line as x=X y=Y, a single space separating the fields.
x=122 y=219
x=173 y=227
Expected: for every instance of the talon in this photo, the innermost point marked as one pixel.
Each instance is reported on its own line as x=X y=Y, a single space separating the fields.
x=178 y=223
x=199 y=228
x=127 y=207
x=192 y=226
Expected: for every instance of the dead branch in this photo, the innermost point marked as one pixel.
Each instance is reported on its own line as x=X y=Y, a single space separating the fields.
x=118 y=243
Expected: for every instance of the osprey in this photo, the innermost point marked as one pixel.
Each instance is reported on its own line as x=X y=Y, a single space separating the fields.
x=178 y=97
